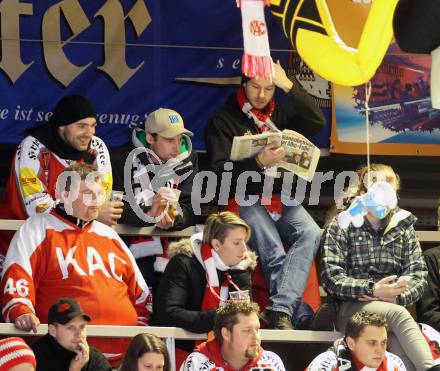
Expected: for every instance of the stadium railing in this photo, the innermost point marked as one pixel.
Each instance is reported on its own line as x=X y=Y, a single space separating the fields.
x=125 y=230
x=171 y=334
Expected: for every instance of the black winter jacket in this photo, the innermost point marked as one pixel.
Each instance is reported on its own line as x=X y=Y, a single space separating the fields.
x=51 y=356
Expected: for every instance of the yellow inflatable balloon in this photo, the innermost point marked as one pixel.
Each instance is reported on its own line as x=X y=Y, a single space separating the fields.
x=309 y=26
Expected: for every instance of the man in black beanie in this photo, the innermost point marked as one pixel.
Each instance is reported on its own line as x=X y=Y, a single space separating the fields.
x=43 y=154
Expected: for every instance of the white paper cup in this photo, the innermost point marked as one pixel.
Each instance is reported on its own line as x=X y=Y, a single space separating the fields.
x=116 y=196
x=172 y=196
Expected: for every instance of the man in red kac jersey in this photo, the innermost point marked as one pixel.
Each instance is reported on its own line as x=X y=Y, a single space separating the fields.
x=68 y=253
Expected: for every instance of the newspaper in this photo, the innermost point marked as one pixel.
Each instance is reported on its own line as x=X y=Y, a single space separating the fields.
x=301 y=157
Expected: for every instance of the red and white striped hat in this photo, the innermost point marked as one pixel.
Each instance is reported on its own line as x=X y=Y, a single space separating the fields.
x=13 y=352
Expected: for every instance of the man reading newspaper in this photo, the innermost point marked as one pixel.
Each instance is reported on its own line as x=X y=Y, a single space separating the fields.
x=253 y=110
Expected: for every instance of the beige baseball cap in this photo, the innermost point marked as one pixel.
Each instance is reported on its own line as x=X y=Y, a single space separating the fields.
x=166 y=123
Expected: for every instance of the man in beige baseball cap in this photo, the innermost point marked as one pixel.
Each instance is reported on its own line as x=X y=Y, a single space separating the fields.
x=161 y=167
x=166 y=123
x=169 y=140
x=164 y=130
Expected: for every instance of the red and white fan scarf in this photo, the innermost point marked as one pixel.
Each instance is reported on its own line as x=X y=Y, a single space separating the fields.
x=261 y=118
x=256 y=61
x=214 y=292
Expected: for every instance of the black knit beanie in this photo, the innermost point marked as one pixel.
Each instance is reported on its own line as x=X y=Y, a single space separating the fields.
x=244 y=79
x=70 y=109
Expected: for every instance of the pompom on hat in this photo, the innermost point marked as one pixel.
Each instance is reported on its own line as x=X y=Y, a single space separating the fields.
x=13 y=352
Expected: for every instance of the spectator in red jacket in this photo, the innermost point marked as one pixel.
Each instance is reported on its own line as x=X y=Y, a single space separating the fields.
x=68 y=253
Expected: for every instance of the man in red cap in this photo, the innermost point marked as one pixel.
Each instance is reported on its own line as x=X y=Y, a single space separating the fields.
x=65 y=346
x=42 y=156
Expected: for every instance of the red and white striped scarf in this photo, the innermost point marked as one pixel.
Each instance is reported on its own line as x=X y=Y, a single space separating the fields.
x=261 y=118
x=214 y=292
x=264 y=123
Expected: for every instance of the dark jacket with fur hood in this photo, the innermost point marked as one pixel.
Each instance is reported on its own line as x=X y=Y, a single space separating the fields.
x=183 y=285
